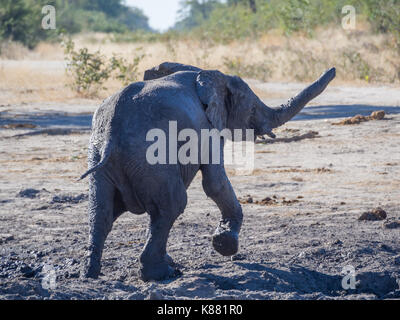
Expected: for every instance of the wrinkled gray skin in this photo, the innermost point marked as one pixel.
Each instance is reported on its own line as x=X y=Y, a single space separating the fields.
x=122 y=180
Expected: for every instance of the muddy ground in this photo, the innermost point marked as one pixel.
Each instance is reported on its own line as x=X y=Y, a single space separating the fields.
x=319 y=179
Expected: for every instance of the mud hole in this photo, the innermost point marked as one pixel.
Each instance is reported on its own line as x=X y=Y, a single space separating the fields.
x=301 y=207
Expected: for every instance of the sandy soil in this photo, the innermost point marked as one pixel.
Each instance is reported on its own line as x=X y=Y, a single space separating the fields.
x=295 y=246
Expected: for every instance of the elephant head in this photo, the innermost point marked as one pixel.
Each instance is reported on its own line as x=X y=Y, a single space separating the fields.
x=230 y=103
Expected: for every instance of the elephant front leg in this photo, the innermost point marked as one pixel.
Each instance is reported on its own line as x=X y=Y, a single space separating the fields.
x=218 y=187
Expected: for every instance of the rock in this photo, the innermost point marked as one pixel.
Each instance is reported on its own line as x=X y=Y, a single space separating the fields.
x=27 y=271
x=6 y=237
x=315 y=243
x=28 y=193
x=373 y=215
x=289 y=202
x=238 y=257
x=69 y=199
x=246 y=199
x=267 y=201
x=392 y=225
x=337 y=242
x=378 y=115
x=387 y=248
x=155 y=295
x=397 y=260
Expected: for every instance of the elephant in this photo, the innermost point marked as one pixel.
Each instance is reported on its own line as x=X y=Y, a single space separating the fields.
x=121 y=179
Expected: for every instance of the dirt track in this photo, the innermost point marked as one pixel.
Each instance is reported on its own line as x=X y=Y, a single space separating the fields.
x=295 y=247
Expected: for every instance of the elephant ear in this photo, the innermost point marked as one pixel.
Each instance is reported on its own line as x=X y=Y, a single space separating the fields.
x=167 y=68
x=212 y=90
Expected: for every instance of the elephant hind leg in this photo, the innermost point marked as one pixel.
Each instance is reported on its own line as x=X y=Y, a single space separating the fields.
x=101 y=217
x=156 y=264
x=119 y=205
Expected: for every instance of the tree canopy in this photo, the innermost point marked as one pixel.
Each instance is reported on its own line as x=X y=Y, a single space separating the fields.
x=20 y=20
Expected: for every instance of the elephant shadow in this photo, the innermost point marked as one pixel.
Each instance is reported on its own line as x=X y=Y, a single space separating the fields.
x=81 y=121
x=302 y=280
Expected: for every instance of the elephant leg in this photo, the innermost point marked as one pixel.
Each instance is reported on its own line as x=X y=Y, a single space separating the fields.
x=156 y=264
x=164 y=204
x=119 y=205
x=218 y=187
x=101 y=217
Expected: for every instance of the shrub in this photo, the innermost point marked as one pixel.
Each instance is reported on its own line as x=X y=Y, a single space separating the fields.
x=236 y=66
x=91 y=70
x=126 y=72
x=384 y=17
x=20 y=22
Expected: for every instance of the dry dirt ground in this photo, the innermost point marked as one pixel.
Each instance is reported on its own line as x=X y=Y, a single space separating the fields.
x=293 y=246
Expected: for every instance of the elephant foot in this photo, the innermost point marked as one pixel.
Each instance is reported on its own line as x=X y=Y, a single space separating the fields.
x=158 y=271
x=226 y=242
x=91 y=270
x=169 y=260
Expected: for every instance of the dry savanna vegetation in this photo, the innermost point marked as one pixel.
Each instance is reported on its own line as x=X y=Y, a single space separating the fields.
x=360 y=56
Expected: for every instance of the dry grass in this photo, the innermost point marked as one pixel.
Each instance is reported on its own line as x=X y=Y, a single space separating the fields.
x=359 y=56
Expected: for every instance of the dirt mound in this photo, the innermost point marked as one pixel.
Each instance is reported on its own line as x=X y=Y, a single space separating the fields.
x=28 y=193
x=392 y=225
x=308 y=135
x=268 y=201
x=376 y=115
x=69 y=198
x=373 y=215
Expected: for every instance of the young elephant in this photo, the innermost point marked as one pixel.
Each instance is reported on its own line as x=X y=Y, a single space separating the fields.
x=121 y=178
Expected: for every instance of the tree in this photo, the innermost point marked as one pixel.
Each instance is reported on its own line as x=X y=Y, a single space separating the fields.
x=135 y=19
x=20 y=21
x=253 y=6
x=250 y=3
x=194 y=12
x=112 y=8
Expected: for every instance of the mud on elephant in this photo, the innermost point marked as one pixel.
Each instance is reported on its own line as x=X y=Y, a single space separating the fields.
x=121 y=179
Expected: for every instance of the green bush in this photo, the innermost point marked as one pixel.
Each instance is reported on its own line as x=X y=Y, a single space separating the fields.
x=236 y=66
x=236 y=19
x=124 y=71
x=20 y=20
x=384 y=17
x=91 y=70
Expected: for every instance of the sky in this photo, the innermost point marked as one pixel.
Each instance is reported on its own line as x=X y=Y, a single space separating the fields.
x=162 y=13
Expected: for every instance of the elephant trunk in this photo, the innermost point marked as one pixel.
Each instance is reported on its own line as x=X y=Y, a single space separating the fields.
x=287 y=111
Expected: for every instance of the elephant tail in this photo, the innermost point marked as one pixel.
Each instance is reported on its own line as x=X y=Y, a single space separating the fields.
x=106 y=154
